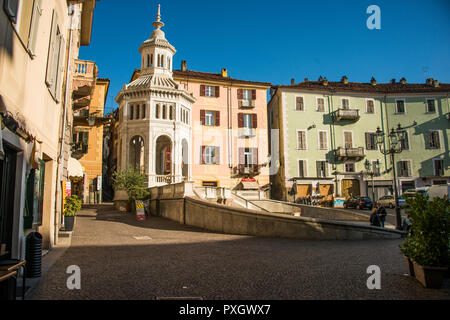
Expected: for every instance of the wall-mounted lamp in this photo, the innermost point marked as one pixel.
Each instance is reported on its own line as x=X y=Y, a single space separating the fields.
x=91 y=120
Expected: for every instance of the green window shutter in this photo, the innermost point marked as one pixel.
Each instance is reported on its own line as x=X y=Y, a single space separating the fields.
x=50 y=80
x=32 y=39
x=60 y=68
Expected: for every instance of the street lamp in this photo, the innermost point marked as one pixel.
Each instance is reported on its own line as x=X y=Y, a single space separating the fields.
x=395 y=147
x=371 y=172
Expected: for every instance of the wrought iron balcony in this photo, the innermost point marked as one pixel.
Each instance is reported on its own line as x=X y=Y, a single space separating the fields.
x=343 y=154
x=79 y=149
x=346 y=114
x=247 y=170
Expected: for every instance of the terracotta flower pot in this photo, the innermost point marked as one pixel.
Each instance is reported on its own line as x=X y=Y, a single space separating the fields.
x=429 y=277
x=410 y=266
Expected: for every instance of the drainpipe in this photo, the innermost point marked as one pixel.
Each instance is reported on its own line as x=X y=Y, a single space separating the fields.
x=60 y=163
x=333 y=141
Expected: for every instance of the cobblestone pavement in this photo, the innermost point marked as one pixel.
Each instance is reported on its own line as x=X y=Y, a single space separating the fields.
x=121 y=258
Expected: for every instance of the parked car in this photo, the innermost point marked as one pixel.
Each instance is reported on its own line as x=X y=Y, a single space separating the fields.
x=359 y=203
x=389 y=201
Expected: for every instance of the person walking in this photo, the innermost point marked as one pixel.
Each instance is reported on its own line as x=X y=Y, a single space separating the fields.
x=381 y=211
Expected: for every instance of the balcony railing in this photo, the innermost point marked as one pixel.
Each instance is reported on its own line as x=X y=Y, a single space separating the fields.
x=161 y=180
x=349 y=153
x=84 y=80
x=346 y=114
x=85 y=69
x=247 y=104
x=79 y=149
x=247 y=132
x=248 y=170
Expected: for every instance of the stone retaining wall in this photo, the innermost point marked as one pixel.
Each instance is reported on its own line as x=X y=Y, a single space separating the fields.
x=219 y=218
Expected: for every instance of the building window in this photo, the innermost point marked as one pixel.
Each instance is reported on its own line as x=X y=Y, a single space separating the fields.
x=143 y=111
x=404 y=143
x=209 y=91
x=404 y=169
x=209 y=118
x=301 y=140
x=322 y=167
x=302 y=169
x=345 y=104
x=320 y=104
x=370 y=108
x=431 y=106
x=300 y=104
x=438 y=167
x=323 y=141
x=371 y=142
x=400 y=107
x=210 y=155
x=247 y=95
x=434 y=140
x=131 y=112
x=248 y=121
x=157 y=111
x=164 y=110
x=350 y=167
x=138 y=109
x=348 y=139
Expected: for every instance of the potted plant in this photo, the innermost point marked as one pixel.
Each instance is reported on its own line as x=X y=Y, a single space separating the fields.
x=71 y=207
x=427 y=245
x=134 y=182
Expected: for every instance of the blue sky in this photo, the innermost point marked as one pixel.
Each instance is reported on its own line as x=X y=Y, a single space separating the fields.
x=274 y=41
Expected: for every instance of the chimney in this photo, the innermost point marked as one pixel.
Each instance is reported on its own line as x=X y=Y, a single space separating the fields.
x=436 y=83
x=224 y=73
x=183 y=65
x=393 y=81
x=403 y=81
x=430 y=81
x=306 y=80
x=292 y=81
x=325 y=82
x=373 y=81
x=344 y=80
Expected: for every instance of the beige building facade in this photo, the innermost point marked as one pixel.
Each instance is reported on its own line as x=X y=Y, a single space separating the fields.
x=39 y=42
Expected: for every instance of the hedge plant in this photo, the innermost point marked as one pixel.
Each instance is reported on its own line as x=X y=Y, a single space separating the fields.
x=428 y=241
x=72 y=206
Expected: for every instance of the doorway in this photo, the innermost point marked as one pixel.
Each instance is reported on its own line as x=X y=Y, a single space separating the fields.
x=7 y=188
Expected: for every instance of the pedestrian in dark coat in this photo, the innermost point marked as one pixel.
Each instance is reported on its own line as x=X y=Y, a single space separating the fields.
x=381 y=213
x=375 y=219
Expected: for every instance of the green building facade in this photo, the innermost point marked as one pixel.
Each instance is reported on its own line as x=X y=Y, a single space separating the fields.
x=326 y=137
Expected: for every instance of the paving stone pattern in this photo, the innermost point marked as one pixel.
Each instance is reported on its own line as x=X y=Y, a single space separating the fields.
x=121 y=258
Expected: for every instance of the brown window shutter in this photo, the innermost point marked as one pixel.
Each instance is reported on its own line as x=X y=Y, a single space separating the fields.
x=217 y=118
x=203 y=117
x=368 y=142
x=240 y=120
x=202 y=90
x=255 y=156
x=203 y=155
x=240 y=94
x=217 y=91
x=253 y=94
x=255 y=121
